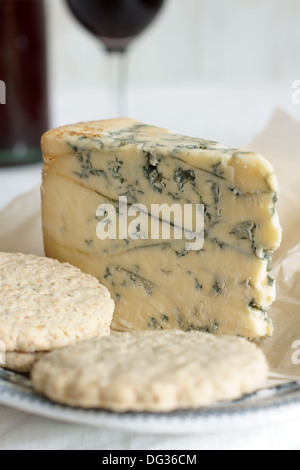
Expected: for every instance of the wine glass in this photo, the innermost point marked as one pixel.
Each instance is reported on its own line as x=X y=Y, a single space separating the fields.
x=116 y=23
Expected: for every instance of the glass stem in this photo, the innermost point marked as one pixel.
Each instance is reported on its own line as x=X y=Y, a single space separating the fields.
x=123 y=84
x=118 y=99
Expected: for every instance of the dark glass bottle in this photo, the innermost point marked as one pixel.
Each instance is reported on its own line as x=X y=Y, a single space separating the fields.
x=23 y=69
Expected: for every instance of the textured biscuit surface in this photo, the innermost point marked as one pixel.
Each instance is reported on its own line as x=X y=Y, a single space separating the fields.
x=21 y=362
x=151 y=371
x=46 y=305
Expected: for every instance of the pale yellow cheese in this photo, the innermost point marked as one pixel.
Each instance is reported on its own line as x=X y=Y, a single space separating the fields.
x=224 y=288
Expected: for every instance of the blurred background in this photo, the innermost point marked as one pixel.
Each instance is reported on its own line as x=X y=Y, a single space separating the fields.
x=214 y=68
x=191 y=39
x=209 y=68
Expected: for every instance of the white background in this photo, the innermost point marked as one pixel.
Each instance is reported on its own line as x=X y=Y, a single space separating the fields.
x=191 y=39
x=215 y=69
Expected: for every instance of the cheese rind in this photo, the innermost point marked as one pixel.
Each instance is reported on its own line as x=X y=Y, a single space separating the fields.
x=224 y=288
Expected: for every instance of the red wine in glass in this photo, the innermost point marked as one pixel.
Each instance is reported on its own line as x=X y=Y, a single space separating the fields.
x=116 y=23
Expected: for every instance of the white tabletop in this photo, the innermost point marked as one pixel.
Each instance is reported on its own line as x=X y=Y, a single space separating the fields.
x=20 y=431
x=15 y=181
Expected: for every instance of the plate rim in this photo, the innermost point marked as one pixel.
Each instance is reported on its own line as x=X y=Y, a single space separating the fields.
x=189 y=421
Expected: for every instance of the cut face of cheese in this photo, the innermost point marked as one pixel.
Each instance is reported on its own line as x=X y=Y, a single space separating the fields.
x=226 y=287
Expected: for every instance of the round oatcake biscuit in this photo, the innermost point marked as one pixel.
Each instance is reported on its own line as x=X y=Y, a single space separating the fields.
x=21 y=362
x=151 y=371
x=46 y=305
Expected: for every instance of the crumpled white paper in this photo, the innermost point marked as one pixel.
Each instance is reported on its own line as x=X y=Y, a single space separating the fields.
x=20 y=231
x=280 y=144
x=20 y=225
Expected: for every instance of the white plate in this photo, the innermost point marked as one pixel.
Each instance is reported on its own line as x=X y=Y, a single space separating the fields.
x=273 y=405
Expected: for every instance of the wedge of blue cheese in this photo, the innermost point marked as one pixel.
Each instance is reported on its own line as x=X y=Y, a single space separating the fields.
x=226 y=287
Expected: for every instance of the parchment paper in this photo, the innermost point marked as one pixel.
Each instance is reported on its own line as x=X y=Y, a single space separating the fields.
x=20 y=231
x=280 y=144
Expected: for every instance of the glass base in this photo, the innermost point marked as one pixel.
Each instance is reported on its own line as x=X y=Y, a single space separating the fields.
x=10 y=157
